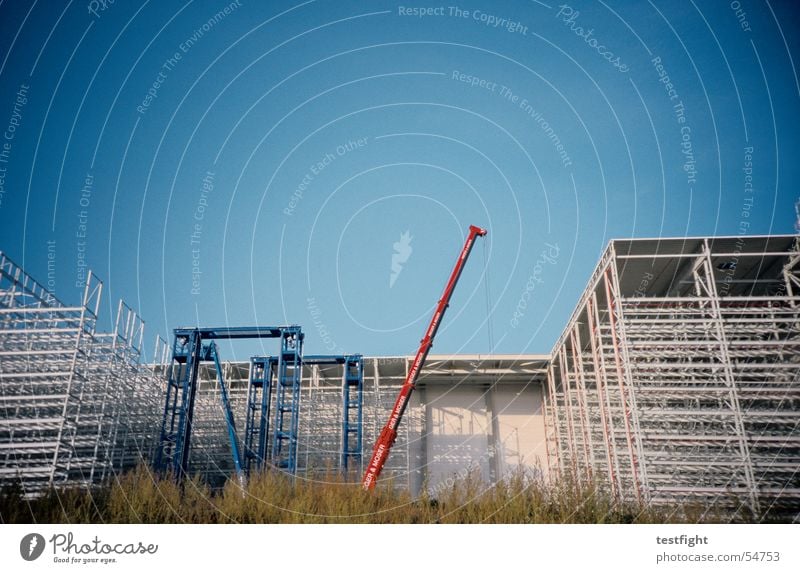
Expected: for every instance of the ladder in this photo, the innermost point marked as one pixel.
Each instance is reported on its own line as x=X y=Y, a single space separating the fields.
x=173 y=448
x=352 y=412
x=287 y=402
x=257 y=413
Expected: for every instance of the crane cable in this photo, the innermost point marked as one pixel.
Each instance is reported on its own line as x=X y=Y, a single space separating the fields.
x=488 y=299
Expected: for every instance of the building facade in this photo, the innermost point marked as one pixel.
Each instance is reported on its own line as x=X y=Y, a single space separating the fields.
x=678 y=375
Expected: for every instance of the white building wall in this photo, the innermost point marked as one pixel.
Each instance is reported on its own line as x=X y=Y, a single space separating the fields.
x=463 y=429
x=458 y=429
x=520 y=429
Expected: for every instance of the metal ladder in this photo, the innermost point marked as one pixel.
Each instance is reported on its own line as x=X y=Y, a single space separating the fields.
x=173 y=450
x=352 y=413
x=287 y=402
x=257 y=413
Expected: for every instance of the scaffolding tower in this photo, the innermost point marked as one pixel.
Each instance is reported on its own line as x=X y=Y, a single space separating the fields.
x=330 y=392
x=331 y=428
x=258 y=410
x=677 y=378
x=75 y=404
x=194 y=346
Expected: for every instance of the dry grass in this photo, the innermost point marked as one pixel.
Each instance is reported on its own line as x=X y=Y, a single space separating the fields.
x=270 y=497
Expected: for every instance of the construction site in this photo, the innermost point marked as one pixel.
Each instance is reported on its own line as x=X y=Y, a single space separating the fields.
x=676 y=379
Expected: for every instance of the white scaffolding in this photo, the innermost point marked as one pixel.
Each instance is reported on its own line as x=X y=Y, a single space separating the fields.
x=678 y=375
x=677 y=379
x=74 y=403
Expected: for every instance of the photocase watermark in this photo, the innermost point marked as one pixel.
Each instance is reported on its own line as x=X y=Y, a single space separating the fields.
x=9 y=134
x=484 y=18
x=183 y=48
x=400 y=256
x=94 y=551
x=396 y=360
x=462 y=474
x=51 y=271
x=797 y=216
x=474 y=81
x=473 y=468
x=82 y=230
x=540 y=120
x=679 y=109
x=728 y=267
x=96 y=6
x=316 y=168
x=548 y=256
x=195 y=237
x=569 y=17
x=322 y=329
x=31 y=547
x=522 y=103
x=741 y=15
x=641 y=290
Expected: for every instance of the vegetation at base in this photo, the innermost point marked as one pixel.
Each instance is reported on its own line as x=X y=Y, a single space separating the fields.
x=271 y=497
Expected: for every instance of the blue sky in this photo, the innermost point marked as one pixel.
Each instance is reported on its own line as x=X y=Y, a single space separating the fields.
x=256 y=162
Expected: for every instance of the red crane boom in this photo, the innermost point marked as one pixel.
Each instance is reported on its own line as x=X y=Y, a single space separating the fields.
x=389 y=433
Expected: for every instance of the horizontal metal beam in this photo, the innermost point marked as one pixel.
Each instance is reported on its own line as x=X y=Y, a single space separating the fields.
x=237 y=332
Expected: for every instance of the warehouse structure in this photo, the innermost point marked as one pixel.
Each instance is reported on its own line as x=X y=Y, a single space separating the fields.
x=678 y=375
x=677 y=378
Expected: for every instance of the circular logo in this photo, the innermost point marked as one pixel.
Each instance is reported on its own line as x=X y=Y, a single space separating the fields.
x=31 y=546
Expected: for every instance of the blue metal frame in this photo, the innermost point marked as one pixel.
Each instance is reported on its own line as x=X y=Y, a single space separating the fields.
x=188 y=351
x=226 y=404
x=259 y=400
x=352 y=413
x=263 y=373
x=350 y=453
x=173 y=450
x=287 y=401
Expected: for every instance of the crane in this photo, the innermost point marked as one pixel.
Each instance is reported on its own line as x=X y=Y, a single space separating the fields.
x=386 y=439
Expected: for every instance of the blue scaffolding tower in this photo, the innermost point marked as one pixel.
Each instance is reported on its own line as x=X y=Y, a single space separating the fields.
x=257 y=411
x=191 y=347
x=352 y=406
x=280 y=375
x=352 y=412
x=287 y=405
x=265 y=379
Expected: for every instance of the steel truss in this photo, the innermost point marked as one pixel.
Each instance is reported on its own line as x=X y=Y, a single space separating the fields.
x=332 y=427
x=257 y=411
x=329 y=398
x=322 y=407
x=678 y=376
x=75 y=404
x=195 y=346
